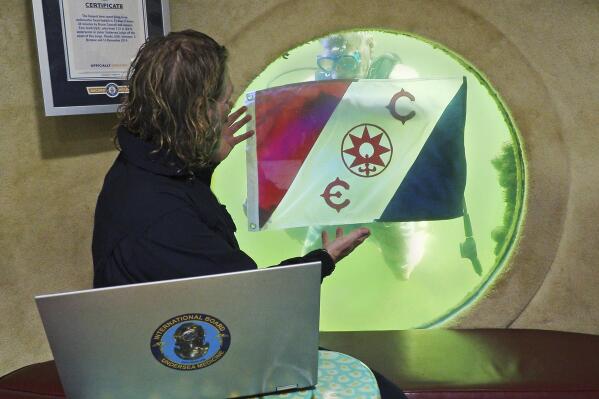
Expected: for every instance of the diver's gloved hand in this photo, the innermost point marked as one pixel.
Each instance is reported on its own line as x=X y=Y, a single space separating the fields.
x=343 y=245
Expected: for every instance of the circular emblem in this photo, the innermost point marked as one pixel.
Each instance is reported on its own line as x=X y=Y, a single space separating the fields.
x=190 y=341
x=112 y=90
x=366 y=150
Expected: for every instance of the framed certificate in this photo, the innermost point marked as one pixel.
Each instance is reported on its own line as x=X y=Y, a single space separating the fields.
x=85 y=49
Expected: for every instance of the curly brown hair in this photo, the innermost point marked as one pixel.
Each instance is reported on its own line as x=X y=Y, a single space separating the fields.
x=174 y=82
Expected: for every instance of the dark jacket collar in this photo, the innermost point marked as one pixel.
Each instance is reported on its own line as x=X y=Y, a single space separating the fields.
x=144 y=155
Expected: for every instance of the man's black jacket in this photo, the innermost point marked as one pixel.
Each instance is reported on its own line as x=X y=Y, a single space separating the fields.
x=154 y=222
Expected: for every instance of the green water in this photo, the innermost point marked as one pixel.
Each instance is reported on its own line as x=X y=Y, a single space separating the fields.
x=365 y=292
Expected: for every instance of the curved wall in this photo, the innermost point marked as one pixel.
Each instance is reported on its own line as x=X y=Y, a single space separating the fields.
x=539 y=56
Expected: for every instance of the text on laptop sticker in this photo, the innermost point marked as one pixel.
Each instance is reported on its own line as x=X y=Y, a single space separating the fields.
x=190 y=341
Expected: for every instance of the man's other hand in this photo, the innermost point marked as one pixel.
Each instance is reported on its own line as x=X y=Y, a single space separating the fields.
x=343 y=245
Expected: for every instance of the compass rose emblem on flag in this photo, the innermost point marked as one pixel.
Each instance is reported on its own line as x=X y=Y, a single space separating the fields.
x=366 y=150
x=334 y=153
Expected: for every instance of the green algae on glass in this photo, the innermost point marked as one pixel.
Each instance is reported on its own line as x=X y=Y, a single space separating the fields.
x=368 y=290
x=505 y=164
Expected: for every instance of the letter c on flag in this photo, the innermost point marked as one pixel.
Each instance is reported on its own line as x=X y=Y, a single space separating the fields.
x=393 y=102
x=327 y=194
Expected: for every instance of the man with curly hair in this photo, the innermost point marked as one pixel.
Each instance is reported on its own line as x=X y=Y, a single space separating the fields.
x=156 y=216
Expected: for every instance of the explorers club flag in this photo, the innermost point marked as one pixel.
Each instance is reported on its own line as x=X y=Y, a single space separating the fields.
x=356 y=151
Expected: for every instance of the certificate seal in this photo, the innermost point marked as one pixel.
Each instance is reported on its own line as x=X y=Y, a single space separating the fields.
x=112 y=90
x=190 y=341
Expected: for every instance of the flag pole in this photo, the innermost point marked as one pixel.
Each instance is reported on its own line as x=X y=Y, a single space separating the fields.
x=468 y=247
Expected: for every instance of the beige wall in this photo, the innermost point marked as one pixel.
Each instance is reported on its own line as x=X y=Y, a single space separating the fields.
x=539 y=54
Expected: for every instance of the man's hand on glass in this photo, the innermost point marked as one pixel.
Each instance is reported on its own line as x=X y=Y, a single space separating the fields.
x=231 y=126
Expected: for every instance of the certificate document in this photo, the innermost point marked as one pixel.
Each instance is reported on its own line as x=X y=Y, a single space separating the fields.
x=101 y=37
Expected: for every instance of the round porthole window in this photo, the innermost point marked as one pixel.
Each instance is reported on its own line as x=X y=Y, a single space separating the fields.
x=423 y=271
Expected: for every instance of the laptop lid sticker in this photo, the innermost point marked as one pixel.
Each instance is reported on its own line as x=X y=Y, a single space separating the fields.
x=190 y=341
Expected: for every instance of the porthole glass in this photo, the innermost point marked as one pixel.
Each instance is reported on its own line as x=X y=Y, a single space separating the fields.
x=413 y=274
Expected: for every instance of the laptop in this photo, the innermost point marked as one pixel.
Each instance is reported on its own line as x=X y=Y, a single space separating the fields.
x=219 y=336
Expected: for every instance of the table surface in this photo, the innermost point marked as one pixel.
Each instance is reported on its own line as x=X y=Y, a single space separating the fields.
x=479 y=359
x=339 y=376
x=423 y=362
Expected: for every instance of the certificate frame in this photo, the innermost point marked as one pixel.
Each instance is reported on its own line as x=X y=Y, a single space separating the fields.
x=65 y=96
